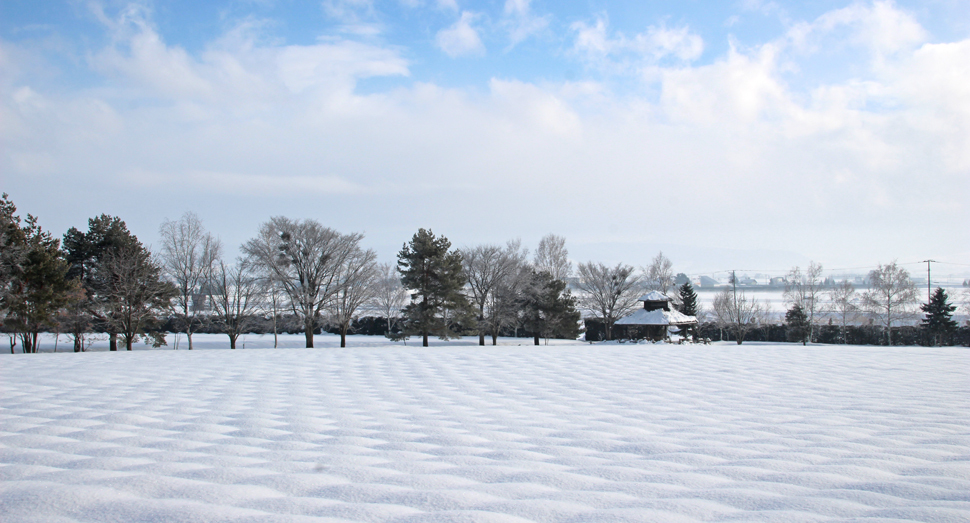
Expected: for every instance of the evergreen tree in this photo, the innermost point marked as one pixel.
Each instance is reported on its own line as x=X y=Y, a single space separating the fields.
x=688 y=304
x=938 y=321
x=85 y=252
x=799 y=327
x=11 y=247
x=38 y=286
x=548 y=308
x=435 y=278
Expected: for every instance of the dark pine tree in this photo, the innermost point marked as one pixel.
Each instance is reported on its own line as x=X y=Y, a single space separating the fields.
x=38 y=286
x=85 y=251
x=798 y=326
x=688 y=305
x=436 y=278
x=939 y=317
x=548 y=308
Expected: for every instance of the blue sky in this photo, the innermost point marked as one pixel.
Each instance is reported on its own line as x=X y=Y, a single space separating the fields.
x=752 y=133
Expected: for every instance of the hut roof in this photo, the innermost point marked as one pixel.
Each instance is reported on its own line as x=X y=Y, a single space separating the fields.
x=654 y=296
x=656 y=317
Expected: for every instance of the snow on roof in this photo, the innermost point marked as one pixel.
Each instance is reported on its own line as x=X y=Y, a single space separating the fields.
x=656 y=317
x=654 y=296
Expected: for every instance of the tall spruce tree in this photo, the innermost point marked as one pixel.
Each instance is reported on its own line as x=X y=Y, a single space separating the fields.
x=799 y=328
x=688 y=304
x=37 y=286
x=548 y=308
x=939 y=317
x=86 y=252
x=11 y=248
x=435 y=278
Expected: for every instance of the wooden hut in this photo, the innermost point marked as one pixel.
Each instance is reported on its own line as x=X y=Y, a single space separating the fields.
x=654 y=319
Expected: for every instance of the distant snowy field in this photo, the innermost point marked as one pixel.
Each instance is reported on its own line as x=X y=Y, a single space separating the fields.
x=569 y=432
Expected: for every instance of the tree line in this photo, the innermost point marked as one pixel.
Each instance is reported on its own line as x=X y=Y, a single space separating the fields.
x=104 y=281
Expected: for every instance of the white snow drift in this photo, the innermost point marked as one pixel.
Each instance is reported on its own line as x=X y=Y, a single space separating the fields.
x=458 y=433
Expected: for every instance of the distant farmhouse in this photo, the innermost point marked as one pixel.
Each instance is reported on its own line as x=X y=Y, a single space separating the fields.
x=653 y=320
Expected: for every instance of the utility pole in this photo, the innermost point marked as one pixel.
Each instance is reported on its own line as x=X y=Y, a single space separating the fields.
x=737 y=313
x=928 y=293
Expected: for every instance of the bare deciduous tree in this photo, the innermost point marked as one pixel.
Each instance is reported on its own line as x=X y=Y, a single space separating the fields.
x=659 y=274
x=552 y=257
x=74 y=318
x=734 y=312
x=891 y=295
x=236 y=294
x=304 y=258
x=608 y=292
x=805 y=290
x=505 y=302
x=845 y=304
x=136 y=292
x=389 y=295
x=188 y=254
x=274 y=301
x=356 y=280
x=488 y=268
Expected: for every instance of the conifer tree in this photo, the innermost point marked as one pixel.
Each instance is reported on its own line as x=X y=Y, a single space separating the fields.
x=799 y=327
x=434 y=276
x=688 y=304
x=938 y=321
x=548 y=308
x=86 y=253
x=38 y=285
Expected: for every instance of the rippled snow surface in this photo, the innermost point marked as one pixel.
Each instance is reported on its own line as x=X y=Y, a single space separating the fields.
x=567 y=433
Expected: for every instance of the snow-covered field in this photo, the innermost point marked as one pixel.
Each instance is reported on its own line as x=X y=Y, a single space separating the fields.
x=566 y=432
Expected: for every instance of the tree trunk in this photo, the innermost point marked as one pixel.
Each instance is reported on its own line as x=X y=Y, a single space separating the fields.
x=128 y=342
x=112 y=341
x=308 y=331
x=494 y=339
x=481 y=320
x=424 y=340
x=343 y=335
x=232 y=341
x=535 y=338
x=188 y=334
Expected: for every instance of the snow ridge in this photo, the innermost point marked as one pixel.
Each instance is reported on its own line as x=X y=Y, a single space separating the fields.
x=559 y=434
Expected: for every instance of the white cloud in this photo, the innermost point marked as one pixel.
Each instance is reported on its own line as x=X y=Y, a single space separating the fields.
x=357 y=17
x=267 y=184
x=249 y=128
x=602 y=49
x=879 y=27
x=448 y=4
x=349 y=10
x=461 y=39
x=521 y=22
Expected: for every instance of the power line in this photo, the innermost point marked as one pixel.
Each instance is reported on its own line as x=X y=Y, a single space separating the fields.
x=928 y=262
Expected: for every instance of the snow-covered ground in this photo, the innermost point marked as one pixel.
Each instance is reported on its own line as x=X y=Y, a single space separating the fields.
x=566 y=432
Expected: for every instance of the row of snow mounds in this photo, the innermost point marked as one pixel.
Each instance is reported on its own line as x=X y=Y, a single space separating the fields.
x=457 y=434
